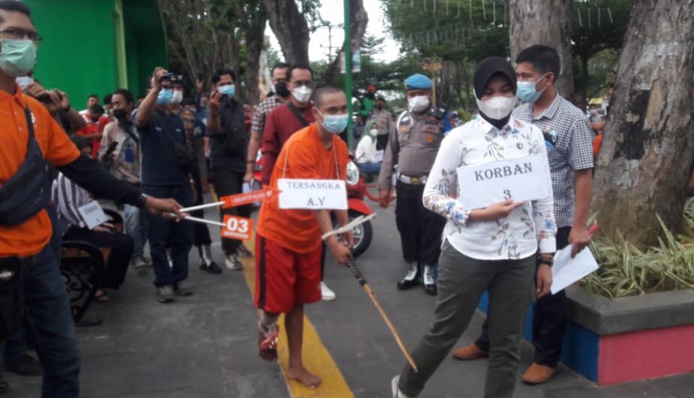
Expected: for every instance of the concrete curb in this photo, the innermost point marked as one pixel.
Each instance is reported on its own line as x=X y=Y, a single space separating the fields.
x=605 y=316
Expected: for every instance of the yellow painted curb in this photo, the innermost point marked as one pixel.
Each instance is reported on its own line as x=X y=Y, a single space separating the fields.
x=317 y=359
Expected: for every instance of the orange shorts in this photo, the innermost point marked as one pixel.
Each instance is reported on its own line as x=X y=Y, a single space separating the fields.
x=285 y=278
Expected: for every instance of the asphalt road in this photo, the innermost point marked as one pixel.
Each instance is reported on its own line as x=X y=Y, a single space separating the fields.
x=206 y=345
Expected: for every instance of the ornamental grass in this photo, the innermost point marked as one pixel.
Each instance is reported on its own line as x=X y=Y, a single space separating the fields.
x=628 y=271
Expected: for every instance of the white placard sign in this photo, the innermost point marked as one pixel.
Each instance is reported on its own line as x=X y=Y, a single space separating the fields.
x=379 y=156
x=92 y=214
x=521 y=179
x=312 y=194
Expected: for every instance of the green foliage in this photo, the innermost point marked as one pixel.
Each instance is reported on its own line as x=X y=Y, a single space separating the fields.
x=598 y=25
x=627 y=271
x=469 y=33
x=598 y=31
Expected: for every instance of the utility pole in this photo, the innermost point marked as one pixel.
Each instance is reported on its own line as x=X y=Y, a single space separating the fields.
x=348 y=75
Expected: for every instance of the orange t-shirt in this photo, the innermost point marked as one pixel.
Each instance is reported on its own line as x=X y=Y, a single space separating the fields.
x=305 y=157
x=597 y=143
x=30 y=237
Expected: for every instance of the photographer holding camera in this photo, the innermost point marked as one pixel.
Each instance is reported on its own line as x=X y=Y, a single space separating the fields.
x=226 y=124
x=166 y=167
x=57 y=104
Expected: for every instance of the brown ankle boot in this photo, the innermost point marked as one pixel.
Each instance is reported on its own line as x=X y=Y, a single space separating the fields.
x=470 y=352
x=538 y=374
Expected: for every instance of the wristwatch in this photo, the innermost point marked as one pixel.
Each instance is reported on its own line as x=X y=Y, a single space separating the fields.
x=142 y=201
x=547 y=261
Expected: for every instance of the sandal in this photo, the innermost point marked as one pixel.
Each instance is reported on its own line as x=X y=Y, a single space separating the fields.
x=268 y=345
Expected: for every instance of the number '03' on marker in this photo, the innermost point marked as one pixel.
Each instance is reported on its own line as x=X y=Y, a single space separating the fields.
x=238 y=228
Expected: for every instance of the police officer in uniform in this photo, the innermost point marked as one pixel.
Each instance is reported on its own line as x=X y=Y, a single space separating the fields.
x=383 y=121
x=413 y=144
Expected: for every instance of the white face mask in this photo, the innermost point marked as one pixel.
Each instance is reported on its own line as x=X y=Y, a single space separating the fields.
x=24 y=81
x=177 y=97
x=302 y=94
x=497 y=107
x=418 y=103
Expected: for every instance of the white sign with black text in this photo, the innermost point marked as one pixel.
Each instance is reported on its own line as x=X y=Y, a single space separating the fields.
x=312 y=194
x=92 y=214
x=522 y=179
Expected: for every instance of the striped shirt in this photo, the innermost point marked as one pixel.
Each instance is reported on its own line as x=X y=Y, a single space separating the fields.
x=68 y=198
x=569 y=142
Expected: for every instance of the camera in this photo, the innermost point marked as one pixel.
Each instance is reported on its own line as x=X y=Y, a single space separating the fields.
x=167 y=77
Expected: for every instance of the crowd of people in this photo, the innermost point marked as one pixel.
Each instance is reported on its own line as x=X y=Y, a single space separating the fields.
x=166 y=151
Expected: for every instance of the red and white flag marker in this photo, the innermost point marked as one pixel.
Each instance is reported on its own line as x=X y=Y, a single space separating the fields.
x=233 y=227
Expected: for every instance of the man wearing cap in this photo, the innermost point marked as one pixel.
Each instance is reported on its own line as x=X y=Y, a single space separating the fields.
x=413 y=144
x=382 y=121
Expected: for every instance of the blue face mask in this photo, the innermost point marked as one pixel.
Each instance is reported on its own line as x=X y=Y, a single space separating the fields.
x=229 y=90
x=335 y=124
x=527 y=93
x=165 y=96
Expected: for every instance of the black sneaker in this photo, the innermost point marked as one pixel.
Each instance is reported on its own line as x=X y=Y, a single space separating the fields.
x=213 y=268
x=4 y=387
x=25 y=366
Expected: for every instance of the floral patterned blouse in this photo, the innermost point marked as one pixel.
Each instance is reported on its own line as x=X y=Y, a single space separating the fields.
x=527 y=227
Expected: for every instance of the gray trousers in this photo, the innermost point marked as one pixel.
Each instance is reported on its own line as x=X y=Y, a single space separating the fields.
x=462 y=281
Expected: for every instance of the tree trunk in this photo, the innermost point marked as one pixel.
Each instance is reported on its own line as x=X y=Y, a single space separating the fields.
x=290 y=28
x=548 y=23
x=648 y=149
x=358 y=21
x=255 y=19
x=585 y=80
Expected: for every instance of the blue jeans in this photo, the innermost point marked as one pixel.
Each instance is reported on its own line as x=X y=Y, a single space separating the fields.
x=164 y=233
x=48 y=310
x=370 y=168
x=136 y=228
x=15 y=347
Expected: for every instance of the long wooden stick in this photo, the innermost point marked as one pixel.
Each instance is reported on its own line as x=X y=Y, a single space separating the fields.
x=364 y=284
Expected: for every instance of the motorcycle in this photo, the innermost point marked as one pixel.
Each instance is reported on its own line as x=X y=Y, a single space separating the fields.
x=357 y=189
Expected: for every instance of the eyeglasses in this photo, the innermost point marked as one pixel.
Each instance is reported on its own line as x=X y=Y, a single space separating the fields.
x=299 y=83
x=20 y=34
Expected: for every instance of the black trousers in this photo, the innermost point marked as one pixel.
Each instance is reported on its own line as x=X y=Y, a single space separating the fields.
x=420 y=229
x=382 y=141
x=549 y=320
x=227 y=182
x=121 y=246
x=201 y=234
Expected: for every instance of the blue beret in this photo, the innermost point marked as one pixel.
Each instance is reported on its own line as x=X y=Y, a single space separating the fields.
x=418 y=82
